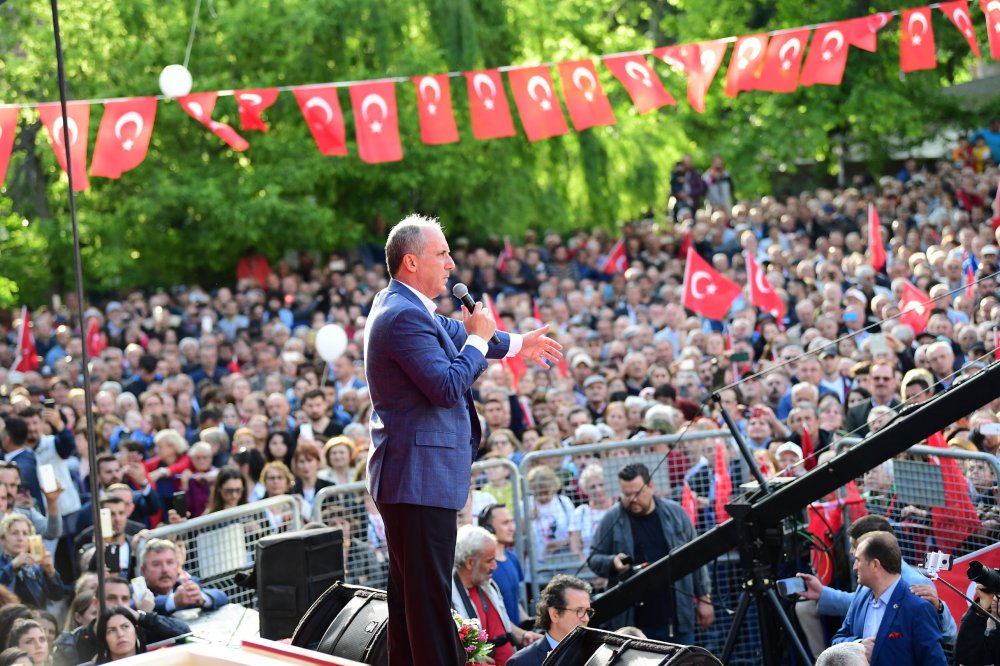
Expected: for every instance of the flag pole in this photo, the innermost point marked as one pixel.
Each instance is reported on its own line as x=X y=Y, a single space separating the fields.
x=84 y=356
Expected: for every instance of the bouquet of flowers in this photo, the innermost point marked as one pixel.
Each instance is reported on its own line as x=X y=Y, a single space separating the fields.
x=474 y=639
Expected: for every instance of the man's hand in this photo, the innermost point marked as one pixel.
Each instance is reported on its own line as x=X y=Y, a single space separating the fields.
x=814 y=588
x=147 y=603
x=479 y=322
x=188 y=594
x=618 y=563
x=137 y=473
x=869 y=644
x=927 y=593
x=529 y=637
x=52 y=497
x=540 y=348
x=173 y=517
x=704 y=613
x=53 y=418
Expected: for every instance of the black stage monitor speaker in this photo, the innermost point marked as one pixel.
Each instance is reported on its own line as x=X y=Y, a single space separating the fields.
x=347 y=621
x=292 y=571
x=593 y=647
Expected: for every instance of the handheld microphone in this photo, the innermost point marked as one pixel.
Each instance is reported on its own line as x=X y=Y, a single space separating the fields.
x=461 y=292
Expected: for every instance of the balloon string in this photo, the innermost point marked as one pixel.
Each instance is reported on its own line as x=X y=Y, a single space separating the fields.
x=194 y=28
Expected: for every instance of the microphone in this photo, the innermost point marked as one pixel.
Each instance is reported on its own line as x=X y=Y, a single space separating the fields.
x=461 y=292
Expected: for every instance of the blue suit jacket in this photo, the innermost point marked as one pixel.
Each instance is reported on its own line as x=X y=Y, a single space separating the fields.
x=27 y=463
x=424 y=429
x=533 y=655
x=910 y=632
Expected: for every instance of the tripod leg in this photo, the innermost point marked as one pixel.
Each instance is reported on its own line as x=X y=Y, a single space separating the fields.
x=734 y=629
x=779 y=610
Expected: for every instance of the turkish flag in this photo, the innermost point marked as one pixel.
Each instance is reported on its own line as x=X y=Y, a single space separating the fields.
x=958 y=13
x=991 y=11
x=376 y=123
x=958 y=518
x=123 y=137
x=488 y=107
x=700 y=62
x=808 y=452
x=723 y=483
x=96 y=340
x=761 y=293
x=505 y=254
x=689 y=504
x=744 y=64
x=915 y=307
x=78 y=125
x=515 y=364
x=916 y=41
x=437 y=118
x=783 y=61
x=8 y=130
x=827 y=55
x=200 y=107
x=27 y=354
x=825 y=520
x=617 y=259
x=863 y=31
x=536 y=101
x=957 y=576
x=641 y=83
x=251 y=104
x=876 y=249
x=586 y=102
x=706 y=291
x=321 y=109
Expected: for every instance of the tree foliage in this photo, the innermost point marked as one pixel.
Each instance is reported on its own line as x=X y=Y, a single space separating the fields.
x=193 y=206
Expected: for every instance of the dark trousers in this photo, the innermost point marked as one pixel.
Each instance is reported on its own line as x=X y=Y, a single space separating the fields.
x=421 y=543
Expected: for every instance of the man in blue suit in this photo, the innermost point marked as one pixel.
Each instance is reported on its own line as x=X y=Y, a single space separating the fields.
x=895 y=625
x=425 y=432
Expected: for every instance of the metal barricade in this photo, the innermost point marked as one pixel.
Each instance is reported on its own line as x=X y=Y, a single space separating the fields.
x=215 y=546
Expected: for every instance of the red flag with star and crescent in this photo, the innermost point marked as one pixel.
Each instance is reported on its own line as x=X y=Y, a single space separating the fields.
x=863 y=31
x=8 y=130
x=689 y=504
x=762 y=294
x=915 y=307
x=958 y=13
x=320 y=107
x=916 y=41
x=586 y=102
x=744 y=64
x=958 y=518
x=991 y=11
x=783 y=61
x=200 y=107
x=641 y=83
x=376 y=123
x=123 y=136
x=251 y=103
x=706 y=291
x=488 y=107
x=97 y=341
x=536 y=102
x=26 y=359
x=617 y=260
x=827 y=55
x=700 y=62
x=78 y=125
x=437 y=117
x=876 y=249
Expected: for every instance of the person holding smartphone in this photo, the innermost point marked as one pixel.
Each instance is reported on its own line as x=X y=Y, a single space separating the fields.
x=31 y=576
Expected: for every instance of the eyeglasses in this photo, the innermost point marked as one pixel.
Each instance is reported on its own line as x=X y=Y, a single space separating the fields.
x=580 y=612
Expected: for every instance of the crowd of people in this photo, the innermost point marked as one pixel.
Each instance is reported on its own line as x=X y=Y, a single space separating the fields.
x=220 y=394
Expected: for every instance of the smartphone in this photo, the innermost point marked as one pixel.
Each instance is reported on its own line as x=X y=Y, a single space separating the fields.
x=739 y=357
x=112 y=561
x=56 y=302
x=139 y=588
x=990 y=429
x=206 y=324
x=49 y=403
x=627 y=561
x=180 y=503
x=106 y=529
x=789 y=586
x=35 y=547
x=306 y=431
x=47 y=478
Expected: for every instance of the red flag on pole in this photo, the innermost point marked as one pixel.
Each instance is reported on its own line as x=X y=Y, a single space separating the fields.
x=723 y=483
x=96 y=340
x=916 y=41
x=958 y=518
x=641 y=83
x=251 y=103
x=617 y=260
x=586 y=102
x=689 y=504
x=8 y=130
x=876 y=250
x=863 y=31
x=827 y=56
x=958 y=13
x=808 y=452
x=488 y=106
x=915 y=307
x=321 y=109
x=123 y=137
x=706 y=291
x=26 y=359
x=536 y=101
x=700 y=62
x=78 y=125
x=991 y=10
x=957 y=604
x=780 y=72
x=515 y=364
x=506 y=253
x=200 y=107
x=761 y=293
x=744 y=64
x=437 y=118
x=376 y=123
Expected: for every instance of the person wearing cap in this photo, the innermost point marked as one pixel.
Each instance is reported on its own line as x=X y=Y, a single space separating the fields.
x=595 y=388
x=581 y=367
x=789 y=455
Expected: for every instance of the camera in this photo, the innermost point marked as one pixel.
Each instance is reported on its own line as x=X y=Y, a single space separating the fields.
x=986 y=576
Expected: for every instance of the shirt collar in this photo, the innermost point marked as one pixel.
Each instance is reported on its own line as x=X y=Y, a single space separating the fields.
x=428 y=303
x=552 y=642
x=886 y=594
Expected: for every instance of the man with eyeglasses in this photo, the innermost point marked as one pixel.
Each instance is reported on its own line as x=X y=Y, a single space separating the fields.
x=563 y=605
x=883 y=379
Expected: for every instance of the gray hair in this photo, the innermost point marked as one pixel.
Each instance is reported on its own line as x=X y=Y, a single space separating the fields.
x=355 y=430
x=471 y=542
x=843 y=654
x=407 y=237
x=157 y=546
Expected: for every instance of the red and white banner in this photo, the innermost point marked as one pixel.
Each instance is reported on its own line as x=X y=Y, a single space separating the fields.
x=376 y=122
x=586 y=102
x=640 y=81
x=321 y=109
x=958 y=577
x=827 y=55
x=783 y=61
x=991 y=10
x=437 y=118
x=617 y=259
x=744 y=64
x=251 y=104
x=864 y=30
x=700 y=62
x=8 y=130
x=26 y=359
x=915 y=307
x=762 y=294
x=488 y=106
x=706 y=291
x=916 y=41
x=958 y=13
x=78 y=127
x=537 y=104
x=123 y=136
x=200 y=107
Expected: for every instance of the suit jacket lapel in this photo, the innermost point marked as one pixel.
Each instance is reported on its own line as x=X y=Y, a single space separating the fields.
x=446 y=342
x=891 y=609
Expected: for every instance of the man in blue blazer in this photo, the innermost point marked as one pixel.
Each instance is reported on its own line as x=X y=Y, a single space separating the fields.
x=425 y=432
x=895 y=625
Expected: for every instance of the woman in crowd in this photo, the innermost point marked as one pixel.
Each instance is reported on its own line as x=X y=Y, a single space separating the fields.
x=278 y=480
x=15 y=657
x=243 y=438
x=617 y=419
x=505 y=442
x=197 y=482
x=305 y=462
x=251 y=463
x=228 y=491
x=339 y=457
x=831 y=413
x=361 y=564
x=170 y=461
x=34 y=580
x=82 y=611
x=279 y=447
x=117 y=636
x=258 y=428
x=583 y=523
x=30 y=636
x=550 y=514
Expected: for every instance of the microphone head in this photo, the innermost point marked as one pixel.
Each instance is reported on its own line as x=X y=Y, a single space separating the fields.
x=460 y=291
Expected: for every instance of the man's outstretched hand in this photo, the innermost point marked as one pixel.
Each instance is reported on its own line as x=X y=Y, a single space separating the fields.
x=540 y=348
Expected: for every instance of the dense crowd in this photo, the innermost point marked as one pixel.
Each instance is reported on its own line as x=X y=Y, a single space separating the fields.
x=219 y=392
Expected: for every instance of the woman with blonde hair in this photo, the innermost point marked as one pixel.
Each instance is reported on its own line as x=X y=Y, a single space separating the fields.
x=278 y=480
x=30 y=575
x=550 y=514
x=338 y=456
x=165 y=468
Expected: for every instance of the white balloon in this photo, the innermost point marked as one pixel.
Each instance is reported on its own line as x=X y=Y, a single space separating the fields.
x=175 y=81
x=331 y=341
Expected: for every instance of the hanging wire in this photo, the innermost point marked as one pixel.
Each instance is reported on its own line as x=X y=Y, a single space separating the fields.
x=194 y=28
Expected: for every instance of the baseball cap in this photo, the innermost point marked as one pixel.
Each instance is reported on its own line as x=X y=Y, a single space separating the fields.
x=790 y=446
x=594 y=379
x=585 y=359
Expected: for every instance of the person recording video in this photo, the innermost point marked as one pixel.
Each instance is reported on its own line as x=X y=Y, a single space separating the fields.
x=978 y=641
